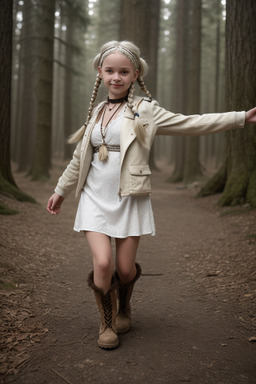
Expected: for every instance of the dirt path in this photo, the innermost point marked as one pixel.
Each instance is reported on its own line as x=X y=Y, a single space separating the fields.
x=193 y=309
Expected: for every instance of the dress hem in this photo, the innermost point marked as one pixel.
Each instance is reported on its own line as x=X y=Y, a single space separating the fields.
x=152 y=233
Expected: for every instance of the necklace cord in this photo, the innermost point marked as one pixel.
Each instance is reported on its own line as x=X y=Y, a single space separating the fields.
x=103 y=134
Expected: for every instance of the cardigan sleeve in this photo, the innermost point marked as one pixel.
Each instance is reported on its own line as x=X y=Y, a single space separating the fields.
x=169 y=123
x=68 y=181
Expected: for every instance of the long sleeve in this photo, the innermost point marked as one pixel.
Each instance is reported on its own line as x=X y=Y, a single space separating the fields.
x=68 y=181
x=169 y=123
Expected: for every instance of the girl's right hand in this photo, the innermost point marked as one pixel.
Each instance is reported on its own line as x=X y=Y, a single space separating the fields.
x=54 y=204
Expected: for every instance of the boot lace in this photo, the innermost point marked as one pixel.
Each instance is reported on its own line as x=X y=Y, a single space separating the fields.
x=107 y=308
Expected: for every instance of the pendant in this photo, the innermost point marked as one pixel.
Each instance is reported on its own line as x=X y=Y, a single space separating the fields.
x=103 y=153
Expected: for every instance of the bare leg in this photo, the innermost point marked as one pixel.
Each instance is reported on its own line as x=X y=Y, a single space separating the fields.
x=126 y=250
x=103 y=263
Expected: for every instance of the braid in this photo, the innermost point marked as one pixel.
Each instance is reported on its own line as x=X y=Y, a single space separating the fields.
x=131 y=96
x=143 y=87
x=93 y=98
x=133 y=54
x=79 y=134
x=138 y=126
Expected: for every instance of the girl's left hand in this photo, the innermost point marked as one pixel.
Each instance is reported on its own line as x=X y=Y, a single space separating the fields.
x=250 y=116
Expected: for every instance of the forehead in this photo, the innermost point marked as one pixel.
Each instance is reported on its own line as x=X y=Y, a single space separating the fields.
x=117 y=59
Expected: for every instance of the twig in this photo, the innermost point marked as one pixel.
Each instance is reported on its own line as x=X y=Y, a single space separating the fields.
x=62 y=377
x=152 y=274
x=70 y=343
x=77 y=341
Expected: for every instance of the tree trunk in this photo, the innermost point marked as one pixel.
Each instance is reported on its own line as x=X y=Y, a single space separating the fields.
x=5 y=89
x=240 y=186
x=192 y=168
x=139 y=24
x=180 y=85
x=68 y=85
x=42 y=159
x=108 y=28
x=27 y=103
x=7 y=183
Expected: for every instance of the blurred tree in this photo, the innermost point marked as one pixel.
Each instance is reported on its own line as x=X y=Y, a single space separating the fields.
x=42 y=155
x=238 y=175
x=108 y=27
x=69 y=11
x=192 y=166
x=140 y=24
x=58 y=137
x=69 y=73
x=7 y=184
x=212 y=147
x=76 y=22
x=181 y=84
x=165 y=76
x=24 y=126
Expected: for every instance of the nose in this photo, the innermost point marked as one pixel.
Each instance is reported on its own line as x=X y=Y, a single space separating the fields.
x=116 y=76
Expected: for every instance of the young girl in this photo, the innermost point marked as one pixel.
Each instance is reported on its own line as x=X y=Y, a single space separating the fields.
x=111 y=174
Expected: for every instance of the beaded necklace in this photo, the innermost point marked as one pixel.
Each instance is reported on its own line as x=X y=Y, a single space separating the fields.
x=103 y=151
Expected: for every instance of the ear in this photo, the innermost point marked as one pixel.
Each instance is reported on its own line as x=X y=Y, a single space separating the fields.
x=136 y=74
x=100 y=72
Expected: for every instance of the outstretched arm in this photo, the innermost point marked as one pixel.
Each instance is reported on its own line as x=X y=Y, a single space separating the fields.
x=54 y=204
x=250 y=116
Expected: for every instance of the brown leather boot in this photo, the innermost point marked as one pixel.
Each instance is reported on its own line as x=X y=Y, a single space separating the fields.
x=123 y=319
x=106 y=302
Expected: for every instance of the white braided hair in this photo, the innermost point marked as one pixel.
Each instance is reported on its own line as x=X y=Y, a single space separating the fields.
x=132 y=52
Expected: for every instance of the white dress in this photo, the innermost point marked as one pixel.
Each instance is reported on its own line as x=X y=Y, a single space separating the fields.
x=100 y=209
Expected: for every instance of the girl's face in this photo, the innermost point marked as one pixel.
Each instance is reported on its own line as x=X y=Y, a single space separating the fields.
x=117 y=73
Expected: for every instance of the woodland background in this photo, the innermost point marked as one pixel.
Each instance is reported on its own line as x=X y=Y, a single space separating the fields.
x=202 y=58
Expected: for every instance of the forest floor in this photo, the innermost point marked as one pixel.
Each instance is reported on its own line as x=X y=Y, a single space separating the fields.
x=193 y=308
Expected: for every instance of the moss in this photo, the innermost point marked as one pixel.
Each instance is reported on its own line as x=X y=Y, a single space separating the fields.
x=251 y=236
x=216 y=184
x=8 y=189
x=7 y=285
x=251 y=190
x=235 y=211
x=4 y=210
x=235 y=189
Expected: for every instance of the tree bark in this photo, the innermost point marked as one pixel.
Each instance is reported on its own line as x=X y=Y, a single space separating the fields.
x=42 y=158
x=140 y=24
x=192 y=167
x=240 y=185
x=180 y=85
x=7 y=184
x=68 y=85
x=27 y=103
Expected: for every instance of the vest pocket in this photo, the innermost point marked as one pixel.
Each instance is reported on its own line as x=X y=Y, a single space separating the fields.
x=140 y=182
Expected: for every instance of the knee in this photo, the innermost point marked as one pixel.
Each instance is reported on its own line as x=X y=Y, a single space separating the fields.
x=126 y=274
x=104 y=266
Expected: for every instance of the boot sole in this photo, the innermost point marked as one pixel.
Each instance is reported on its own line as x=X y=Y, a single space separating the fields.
x=104 y=346
x=124 y=331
